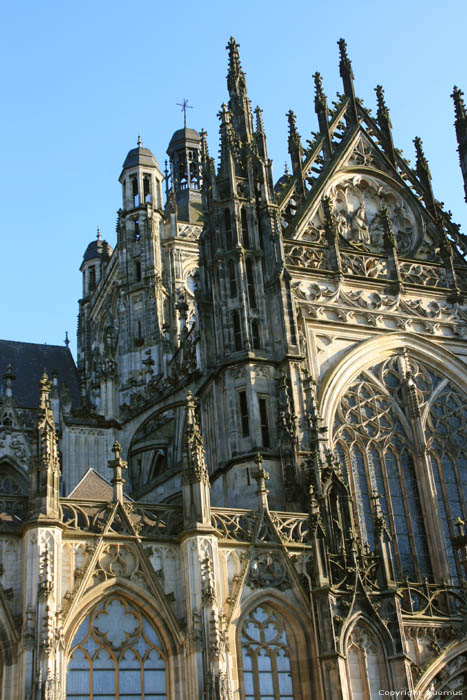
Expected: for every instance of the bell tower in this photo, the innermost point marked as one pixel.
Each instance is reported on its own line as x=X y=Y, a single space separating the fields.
x=184 y=179
x=139 y=260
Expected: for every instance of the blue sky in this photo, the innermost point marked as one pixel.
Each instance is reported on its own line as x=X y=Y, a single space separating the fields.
x=81 y=79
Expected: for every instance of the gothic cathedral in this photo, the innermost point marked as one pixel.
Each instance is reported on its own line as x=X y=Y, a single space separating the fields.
x=252 y=485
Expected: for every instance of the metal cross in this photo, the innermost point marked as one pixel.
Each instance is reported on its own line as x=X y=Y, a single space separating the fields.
x=184 y=105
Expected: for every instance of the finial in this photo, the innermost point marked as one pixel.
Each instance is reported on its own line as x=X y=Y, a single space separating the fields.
x=320 y=97
x=139 y=142
x=260 y=475
x=259 y=120
x=293 y=133
x=459 y=105
x=117 y=465
x=421 y=167
x=383 y=111
x=67 y=340
x=235 y=76
x=98 y=233
x=184 y=106
x=345 y=63
x=286 y=169
x=204 y=144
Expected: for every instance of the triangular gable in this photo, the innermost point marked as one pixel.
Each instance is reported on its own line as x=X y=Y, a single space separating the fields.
x=93 y=487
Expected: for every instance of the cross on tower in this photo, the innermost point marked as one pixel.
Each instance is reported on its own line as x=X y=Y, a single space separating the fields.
x=184 y=105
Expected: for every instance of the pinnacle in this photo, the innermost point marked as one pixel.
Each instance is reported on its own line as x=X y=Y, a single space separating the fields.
x=382 y=107
x=345 y=64
x=422 y=163
x=459 y=105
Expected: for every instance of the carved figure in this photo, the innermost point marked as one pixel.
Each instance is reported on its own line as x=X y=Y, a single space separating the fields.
x=360 y=232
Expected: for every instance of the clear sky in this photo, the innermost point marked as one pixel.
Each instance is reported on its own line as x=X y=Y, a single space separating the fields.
x=81 y=79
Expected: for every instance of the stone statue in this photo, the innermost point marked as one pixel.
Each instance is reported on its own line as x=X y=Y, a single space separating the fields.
x=360 y=233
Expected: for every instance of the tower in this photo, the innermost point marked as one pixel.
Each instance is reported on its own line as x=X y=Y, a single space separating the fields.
x=246 y=316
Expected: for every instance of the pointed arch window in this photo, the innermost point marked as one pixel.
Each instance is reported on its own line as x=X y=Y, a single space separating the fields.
x=377 y=444
x=255 y=334
x=266 y=665
x=365 y=664
x=116 y=654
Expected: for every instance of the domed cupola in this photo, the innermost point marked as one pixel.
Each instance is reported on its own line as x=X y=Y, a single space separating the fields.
x=141 y=179
x=95 y=258
x=184 y=179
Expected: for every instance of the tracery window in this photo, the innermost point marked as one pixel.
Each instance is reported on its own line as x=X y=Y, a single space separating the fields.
x=116 y=655
x=266 y=660
x=365 y=665
x=378 y=441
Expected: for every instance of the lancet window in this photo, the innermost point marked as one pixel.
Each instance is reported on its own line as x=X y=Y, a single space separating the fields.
x=365 y=664
x=378 y=442
x=116 y=654
x=267 y=672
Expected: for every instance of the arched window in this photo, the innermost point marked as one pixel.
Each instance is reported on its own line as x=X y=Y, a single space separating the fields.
x=116 y=655
x=378 y=446
x=365 y=664
x=266 y=662
x=446 y=436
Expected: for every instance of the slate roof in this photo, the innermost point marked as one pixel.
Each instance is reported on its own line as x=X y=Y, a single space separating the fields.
x=94 y=487
x=96 y=249
x=28 y=361
x=140 y=156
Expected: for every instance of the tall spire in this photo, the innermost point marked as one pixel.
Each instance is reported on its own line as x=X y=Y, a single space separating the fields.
x=45 y=468
x=461 y=132
x=236 y=82
x=346 y=73
x=384 y=123
x=239 y=104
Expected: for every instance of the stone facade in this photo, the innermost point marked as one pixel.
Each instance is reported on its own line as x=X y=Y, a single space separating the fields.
x=255 y=485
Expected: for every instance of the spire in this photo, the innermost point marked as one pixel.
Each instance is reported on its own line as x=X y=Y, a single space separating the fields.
x=195 y=477
x=239 y=104
x=260 y=475
x=117 y=464
x=45 y=468
x=461 y=132
x=423 y=172
x=296 y=152
x=384 y=123
x=321 y=108
x=260 y=135
x=236 y=82
x=346 y=73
